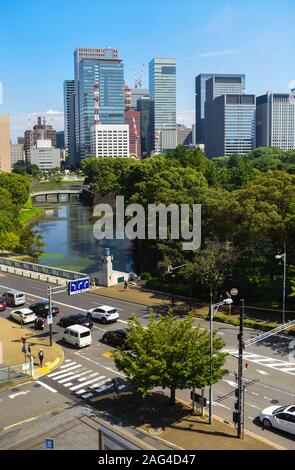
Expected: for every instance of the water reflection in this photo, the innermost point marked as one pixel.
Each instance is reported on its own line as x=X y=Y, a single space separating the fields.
x=67 y=232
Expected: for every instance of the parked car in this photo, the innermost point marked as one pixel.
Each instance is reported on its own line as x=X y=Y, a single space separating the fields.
x=116 y=338
x=42 y=308
x=105 y=314
x=23 y=315
x=14 y=298
x=2 y=305
x=279 y=417
x=77 y=319
x=77 y=335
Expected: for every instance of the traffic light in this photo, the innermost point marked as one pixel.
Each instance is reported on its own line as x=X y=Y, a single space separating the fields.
x=235 y=417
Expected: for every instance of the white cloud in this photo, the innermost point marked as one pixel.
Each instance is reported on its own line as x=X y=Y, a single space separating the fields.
x=206 y=55
x=19 y=123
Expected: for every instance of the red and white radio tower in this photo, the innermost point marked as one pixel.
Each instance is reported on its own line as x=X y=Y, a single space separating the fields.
x=136 y=136
x=96 y=99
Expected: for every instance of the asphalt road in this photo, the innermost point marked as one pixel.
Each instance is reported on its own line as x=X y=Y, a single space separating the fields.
x=270 y=378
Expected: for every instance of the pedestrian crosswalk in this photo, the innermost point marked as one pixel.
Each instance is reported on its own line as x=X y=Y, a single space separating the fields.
x=277 y=364
x=83 y=382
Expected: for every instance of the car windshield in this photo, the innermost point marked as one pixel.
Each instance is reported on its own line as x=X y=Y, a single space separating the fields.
x=19 y=295
x=110 y=312
x=279 y=410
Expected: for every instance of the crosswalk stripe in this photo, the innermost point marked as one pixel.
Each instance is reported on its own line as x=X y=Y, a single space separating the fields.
x=87 y=395
x=78 y=375
x=89 y=377
x=80 y=392
x=63 y=375
x=67 y=365
x=68 y=360
x=105 y=387
x=99 y=384
x=76 y=387
x=63 y=371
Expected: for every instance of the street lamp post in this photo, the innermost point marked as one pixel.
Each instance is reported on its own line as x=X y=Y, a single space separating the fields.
x=228 y=301
x=283 y=256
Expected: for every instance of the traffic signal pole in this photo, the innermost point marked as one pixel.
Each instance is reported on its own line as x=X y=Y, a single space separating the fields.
x=49 y=290
x=241 y=388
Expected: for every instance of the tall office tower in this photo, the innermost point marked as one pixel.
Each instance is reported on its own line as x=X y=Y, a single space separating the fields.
x=230 y=125
x=127 y=91
x=110 y=140
x=162 y=86
x=60 y=140
x=221 y=87
x=132 y=118
x=275 y=124
x=105 y=68
x=39 y=132
x=17 y=154
x=184 y=135
x=69 y=117
x=5 y=154
x=143 y=106
x=136 y=94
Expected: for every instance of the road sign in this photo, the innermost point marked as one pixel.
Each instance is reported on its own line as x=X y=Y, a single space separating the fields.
x=199 y=399
x=24 y=350
x=49 y=319
x=79 y=286
x=234 y=291
x=49 y=443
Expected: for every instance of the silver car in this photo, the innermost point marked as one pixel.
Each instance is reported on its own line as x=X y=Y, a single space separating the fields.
x=104 y=313
x=279 y=417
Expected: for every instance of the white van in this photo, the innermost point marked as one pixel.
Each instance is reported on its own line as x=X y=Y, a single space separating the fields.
x=77 y=335
x=14 y=298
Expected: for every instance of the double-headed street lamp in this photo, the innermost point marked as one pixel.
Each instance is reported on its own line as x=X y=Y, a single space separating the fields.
x=283 y=256
x=227 y=301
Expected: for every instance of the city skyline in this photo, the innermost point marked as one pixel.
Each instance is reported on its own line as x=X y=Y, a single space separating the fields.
x=211 y=39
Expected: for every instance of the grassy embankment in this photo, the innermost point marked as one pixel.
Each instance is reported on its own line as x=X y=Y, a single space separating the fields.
x=30 y=215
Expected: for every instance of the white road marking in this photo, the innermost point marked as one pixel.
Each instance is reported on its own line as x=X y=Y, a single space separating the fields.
x=87 y=395
x=46 y=386
x=214 y=403
x=99 y=384
x=100 y=365
x=229 y=382
x=14 y=395
x=98 y=328
x=272 y=363
x=250 y=417
x=253 y=406
x=68 y=384
x=123 y=321
x=63 y=377
x=76 y=387
x=105 y=387
x=63 y=371
x=256 y=394
x=68 y=360
x=68 y=365
x=78 y=375
x=219 y=333
x=262 y=372
x=267 y=398
x=80 y=392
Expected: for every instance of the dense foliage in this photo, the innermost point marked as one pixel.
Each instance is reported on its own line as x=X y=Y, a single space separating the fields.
x=14 y=194
x=248 y=214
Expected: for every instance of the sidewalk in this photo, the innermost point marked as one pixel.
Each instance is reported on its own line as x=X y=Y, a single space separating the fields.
x=177 y=425
x=10 y=337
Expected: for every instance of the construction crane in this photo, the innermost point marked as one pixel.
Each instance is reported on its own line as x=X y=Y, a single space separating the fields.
x=138 y=78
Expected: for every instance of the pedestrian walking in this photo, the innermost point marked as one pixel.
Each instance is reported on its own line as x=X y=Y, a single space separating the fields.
x=125 y=285
x=41 y=357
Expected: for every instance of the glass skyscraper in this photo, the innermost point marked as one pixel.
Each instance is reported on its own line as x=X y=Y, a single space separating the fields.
x=162 y=86
x=220 y=88
x=105 y=68
x=276 y=120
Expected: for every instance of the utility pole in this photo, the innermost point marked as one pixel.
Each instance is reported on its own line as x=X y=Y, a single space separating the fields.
x=49 y=291
x=211 y=352
x=240 y=427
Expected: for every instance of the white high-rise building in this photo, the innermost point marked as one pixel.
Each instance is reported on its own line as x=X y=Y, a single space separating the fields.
x=275 y=125
x=110 y=140
x=45 y=156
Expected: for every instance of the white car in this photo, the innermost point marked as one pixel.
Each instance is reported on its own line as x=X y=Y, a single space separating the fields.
x=280 y=417
x=104 y=313
x=23 y=315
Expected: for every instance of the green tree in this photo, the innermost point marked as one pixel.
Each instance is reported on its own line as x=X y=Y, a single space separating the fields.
x=164 y=355
x=17 y=185
x=9 y=241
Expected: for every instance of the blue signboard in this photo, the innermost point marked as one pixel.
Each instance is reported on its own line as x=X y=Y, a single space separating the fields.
x=79 y=286
x=49 y=443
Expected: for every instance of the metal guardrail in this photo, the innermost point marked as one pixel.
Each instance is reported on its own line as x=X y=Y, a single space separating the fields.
x=15 y=373
x=41 y=269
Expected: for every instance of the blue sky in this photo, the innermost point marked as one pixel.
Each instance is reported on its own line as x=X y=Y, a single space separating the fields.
x=37 y=41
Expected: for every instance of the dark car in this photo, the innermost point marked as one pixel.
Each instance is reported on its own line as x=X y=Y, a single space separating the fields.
x=41 y=309
x=77 y=319
x=116 y=338
x=2 y=305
